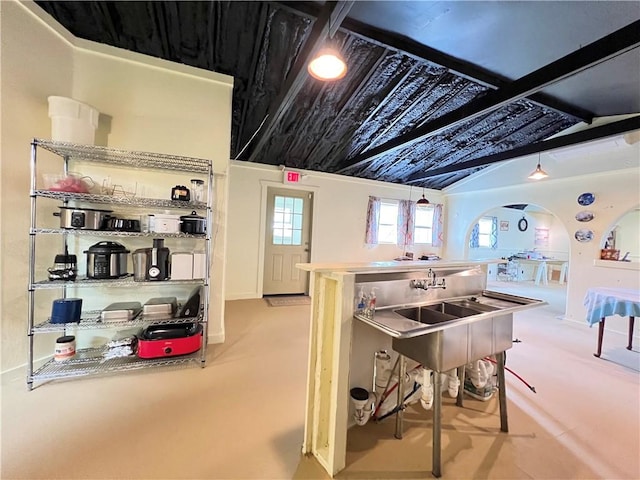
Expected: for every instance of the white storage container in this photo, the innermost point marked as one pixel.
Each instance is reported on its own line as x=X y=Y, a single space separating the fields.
x=199 y=263
x=162 y=223
x=181 y=266
x=72 y=121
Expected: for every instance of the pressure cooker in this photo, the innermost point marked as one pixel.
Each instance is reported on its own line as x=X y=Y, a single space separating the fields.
x=106 y=260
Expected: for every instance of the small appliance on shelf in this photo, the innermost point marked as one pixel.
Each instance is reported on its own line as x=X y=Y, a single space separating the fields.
x=180 y=192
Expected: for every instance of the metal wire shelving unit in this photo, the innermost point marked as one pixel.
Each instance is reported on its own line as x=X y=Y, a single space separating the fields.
x=93 y=361
x=90 y=320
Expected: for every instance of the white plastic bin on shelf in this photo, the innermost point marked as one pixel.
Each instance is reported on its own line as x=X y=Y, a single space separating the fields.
x=199 y=264
x=72 y=121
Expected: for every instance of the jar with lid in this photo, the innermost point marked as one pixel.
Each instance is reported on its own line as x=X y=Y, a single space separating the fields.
x=197 y=190
x=65 y=348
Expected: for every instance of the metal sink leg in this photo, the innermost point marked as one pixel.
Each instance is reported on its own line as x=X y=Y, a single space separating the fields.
x=402 y=371
x=502 y=392
x=437 y=425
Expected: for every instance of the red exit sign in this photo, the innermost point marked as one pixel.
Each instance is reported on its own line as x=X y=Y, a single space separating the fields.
x=291 y=177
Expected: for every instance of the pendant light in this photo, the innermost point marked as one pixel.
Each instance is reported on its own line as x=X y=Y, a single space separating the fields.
x=328 y=64
x=423 y=201
x=538 y=173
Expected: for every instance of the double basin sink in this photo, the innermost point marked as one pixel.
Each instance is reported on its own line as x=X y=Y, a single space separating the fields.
x=453 y=332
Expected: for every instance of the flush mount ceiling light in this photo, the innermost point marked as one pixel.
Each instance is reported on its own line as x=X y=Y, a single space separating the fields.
x=423 y=201
x=328 y=64
x=538 y=173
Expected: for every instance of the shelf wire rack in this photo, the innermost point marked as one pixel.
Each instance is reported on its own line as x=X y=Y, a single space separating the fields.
x=91 y=361
x=125 y=158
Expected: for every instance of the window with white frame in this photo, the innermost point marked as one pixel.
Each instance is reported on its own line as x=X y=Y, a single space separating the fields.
x=388 y=223
x=485 y=227
x=423 y=224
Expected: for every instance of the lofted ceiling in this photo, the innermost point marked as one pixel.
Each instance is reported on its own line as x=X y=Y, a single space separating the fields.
x=436 y=90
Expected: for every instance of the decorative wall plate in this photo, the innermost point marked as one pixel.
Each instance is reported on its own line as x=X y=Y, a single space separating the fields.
x=586 y=199
x=584 y=235
x=584 y=216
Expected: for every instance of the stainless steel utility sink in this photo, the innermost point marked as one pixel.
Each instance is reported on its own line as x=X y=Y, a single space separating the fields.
x=449 y=348
x=443 y=311
x=430 y=315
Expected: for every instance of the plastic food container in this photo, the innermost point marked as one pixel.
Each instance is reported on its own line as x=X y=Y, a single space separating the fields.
x=72 y=121
x=65 y=348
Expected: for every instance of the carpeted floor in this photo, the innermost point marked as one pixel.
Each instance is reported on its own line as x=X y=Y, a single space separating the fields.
x=242 y=417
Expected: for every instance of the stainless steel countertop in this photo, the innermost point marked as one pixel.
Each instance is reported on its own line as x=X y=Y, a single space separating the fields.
x=397 y=326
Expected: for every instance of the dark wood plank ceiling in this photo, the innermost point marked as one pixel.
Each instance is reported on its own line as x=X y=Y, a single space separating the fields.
x=388 y=93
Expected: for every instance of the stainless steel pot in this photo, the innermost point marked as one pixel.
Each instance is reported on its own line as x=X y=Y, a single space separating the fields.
x=82 y=218
x=106 y=260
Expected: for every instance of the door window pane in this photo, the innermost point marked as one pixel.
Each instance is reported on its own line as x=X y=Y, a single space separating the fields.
x=287 y=220
x=297 y=205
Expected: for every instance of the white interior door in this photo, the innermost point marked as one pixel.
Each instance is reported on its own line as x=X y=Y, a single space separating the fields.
x=287 y=243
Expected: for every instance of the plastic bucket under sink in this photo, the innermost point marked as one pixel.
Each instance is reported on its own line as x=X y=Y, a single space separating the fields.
x=72 y=121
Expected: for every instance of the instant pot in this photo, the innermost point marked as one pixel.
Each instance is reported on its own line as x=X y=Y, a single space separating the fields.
x=106 y=260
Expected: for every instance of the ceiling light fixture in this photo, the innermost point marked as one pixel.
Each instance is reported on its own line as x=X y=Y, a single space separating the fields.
x=423 y=201
x=328 y=64
x=538 y=173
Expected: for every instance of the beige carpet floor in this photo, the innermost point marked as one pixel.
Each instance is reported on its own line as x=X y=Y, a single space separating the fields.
x=242 y=416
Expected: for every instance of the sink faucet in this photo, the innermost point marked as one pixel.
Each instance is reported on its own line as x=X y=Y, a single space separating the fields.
x=429 y=282
x=422 y=283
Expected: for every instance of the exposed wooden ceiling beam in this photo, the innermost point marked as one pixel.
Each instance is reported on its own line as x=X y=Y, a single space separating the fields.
x=595 y=133
x=330 y=15
x=417 y=51
x=601 y=50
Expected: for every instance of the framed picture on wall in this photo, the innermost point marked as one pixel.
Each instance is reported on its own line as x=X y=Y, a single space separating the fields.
x=504 y=225
x=542 y=237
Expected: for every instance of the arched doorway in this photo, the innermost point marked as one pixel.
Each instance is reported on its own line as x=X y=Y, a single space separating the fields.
x=531 y=247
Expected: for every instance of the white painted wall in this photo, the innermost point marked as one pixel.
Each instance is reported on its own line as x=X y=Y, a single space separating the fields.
x=35 y=64
x=157 y=106
x=616 y=191
x=339 y=218
x=146 y=104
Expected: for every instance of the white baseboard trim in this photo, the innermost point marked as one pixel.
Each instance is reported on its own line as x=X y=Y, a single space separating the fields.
x=242 y=296
x=216 y=338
